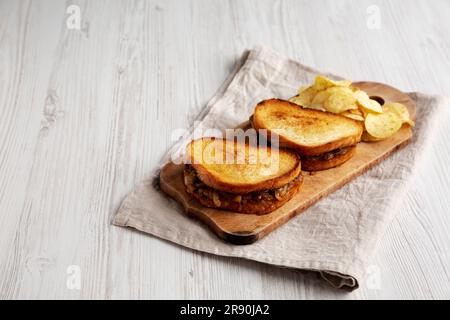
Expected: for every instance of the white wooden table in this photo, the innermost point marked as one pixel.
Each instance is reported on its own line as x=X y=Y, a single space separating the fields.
x=87 y=112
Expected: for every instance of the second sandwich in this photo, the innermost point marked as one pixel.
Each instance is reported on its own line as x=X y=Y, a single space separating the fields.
x=324 y=140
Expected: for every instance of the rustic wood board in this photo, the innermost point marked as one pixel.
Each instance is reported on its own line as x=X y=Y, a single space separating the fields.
x=240 y=228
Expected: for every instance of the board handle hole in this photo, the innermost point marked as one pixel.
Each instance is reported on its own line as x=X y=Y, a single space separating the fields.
x=378 y=99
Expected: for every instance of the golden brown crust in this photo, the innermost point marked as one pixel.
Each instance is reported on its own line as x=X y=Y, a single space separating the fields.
x=318 y=163
x=216 y=183
x=345 y=142
x=238 y=187
x=257 y=206
x=308 y=150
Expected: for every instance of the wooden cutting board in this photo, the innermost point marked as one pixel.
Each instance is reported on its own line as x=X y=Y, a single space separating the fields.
x=240 y=228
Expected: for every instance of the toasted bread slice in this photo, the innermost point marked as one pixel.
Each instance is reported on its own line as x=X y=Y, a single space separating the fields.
x=241 y=168
x=309 y=132
x=328 y=160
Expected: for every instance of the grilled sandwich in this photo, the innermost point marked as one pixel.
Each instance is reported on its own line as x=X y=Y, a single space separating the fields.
x=323 y=139
x=240 y=177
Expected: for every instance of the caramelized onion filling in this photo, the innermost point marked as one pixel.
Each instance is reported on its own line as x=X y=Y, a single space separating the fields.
x=195 y=185
x=329 y=155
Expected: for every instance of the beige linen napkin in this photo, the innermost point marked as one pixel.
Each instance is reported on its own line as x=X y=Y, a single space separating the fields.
x=337 y=236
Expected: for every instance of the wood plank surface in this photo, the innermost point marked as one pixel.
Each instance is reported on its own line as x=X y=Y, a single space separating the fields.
x=87 y=113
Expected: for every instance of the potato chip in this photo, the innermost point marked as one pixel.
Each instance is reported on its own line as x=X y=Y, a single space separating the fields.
x=400 y=110
x=352 y=116
x=342 y=98
x=360 y=95
x=302 y=88
x=357 y=112
x=364 y=101
x=340 y=101
x=339 y=89
x=368 y=138
x=369 y=105
x=344 y=83
x=297 y=100
x=305 y=97
x=300 y=100
x=363 y=112
x=323 y=82
x=320 y=97
x=382 y=125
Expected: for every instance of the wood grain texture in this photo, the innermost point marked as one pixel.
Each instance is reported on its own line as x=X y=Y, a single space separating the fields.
x=239 y=228
x=86 y=114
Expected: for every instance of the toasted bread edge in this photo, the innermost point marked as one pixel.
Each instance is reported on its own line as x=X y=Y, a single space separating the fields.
x=215 y=182
x=308 y=150
x=318 y=165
